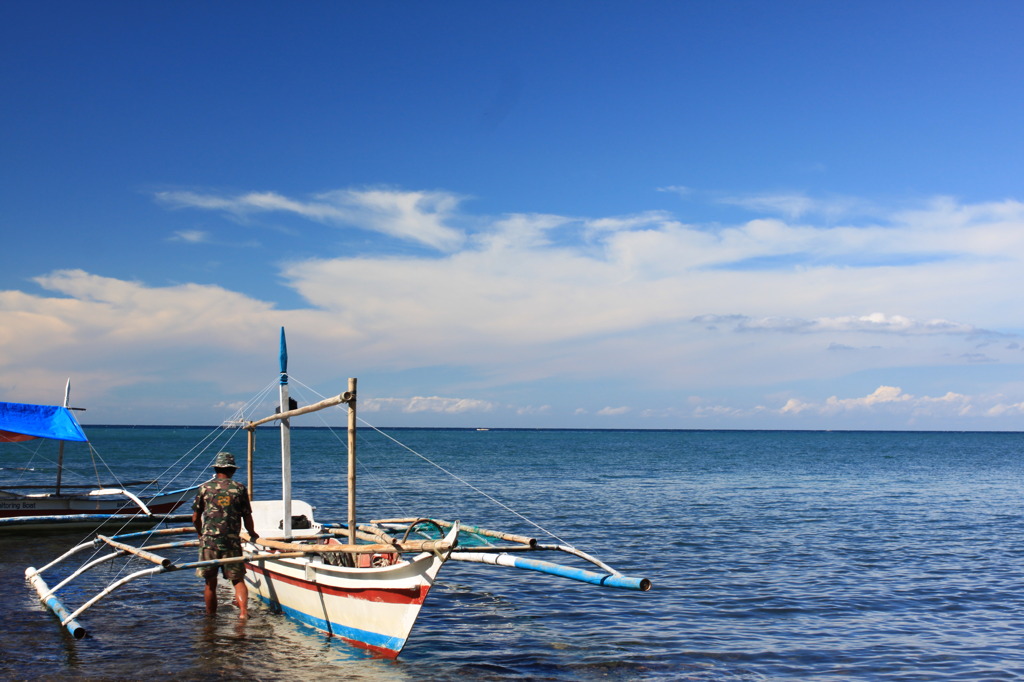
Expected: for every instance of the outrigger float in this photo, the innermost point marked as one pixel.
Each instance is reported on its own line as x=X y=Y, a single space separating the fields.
x=362 y=582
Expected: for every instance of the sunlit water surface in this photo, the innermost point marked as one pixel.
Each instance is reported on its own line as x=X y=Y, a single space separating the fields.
x=774 y=556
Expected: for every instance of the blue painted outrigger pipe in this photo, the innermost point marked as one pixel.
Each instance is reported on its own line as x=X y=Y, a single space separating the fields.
x=604 y=579
x=55 y=605
x=72 y=626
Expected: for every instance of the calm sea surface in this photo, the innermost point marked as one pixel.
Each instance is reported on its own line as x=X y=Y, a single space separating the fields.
x=774 y=556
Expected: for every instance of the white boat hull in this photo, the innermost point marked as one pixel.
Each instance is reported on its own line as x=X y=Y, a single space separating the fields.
x=372 y=608
x=59 y=512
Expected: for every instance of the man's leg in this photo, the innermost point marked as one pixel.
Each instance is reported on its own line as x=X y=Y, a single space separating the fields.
x=242 y=598
x=210 y=593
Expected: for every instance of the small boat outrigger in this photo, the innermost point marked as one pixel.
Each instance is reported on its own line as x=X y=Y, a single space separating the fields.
x=61 y=506
x=362 y=582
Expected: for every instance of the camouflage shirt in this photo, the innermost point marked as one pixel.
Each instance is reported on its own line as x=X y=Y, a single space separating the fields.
x=221 y=504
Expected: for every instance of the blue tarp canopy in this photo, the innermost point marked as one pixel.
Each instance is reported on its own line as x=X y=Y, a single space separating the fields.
x=40 y=421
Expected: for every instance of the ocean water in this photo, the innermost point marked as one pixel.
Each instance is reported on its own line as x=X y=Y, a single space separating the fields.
x=773 y=555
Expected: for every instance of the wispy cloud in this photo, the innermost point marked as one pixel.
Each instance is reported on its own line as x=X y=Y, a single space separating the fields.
x=415 y=216
x=191 y=236
x=875 y=323
x=796 y=205
x=428 y=404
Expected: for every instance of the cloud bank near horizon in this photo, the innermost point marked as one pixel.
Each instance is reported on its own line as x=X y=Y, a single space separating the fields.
x=673 y=309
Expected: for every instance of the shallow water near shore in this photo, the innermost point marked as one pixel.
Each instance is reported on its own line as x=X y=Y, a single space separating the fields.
x=774 y=556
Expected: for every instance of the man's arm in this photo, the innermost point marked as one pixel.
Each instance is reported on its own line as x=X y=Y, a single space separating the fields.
x=250 y=527
x=197 y=515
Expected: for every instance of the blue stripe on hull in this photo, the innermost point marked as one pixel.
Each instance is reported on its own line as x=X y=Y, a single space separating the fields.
x=365 y=637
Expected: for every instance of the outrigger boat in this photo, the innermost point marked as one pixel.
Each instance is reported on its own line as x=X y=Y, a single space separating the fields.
x=60 y=508
x=362 y=582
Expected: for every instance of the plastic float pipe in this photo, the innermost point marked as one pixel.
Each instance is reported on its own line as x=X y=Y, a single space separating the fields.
x=54 y=604
x=603 y=579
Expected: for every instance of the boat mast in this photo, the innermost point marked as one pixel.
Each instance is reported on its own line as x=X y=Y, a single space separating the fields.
x=60 y=448
x=283 y=415
x=351 y=461
x=286 y=443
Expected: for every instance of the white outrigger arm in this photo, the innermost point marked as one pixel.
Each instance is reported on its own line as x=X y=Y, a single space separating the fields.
x=68 y=618
x=121 y=491
x=274 y=550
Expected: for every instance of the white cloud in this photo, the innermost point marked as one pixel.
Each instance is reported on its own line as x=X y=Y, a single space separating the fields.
x=109 y=333
x=876 y=323
x=886 y=404
x=191 y=236
x=796 y=205
x=613 y=411
x=681 y=190
x=643 y=300
x=428 y=404
x=789 y=205
x=881 y=396
x=414 y=216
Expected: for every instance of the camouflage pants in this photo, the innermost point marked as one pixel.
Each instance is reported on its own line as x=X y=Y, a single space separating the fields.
x=221 y=548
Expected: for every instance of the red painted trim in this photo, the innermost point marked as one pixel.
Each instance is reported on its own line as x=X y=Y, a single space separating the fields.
x=377 y=651
x=411 y=596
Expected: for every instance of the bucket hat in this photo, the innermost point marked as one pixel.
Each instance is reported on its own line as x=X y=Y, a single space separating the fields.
x=225 y=460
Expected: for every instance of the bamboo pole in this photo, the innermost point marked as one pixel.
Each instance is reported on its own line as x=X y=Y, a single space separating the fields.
x=379 y=538
x=365 y=533
x=141 y=553
x=315 y=407
x=60 y=466
x=161 y=531
x=249 y=450
x=60 y=448
x=378 y=548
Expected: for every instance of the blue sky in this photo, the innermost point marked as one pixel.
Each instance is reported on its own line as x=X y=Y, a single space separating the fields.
x=619 y=215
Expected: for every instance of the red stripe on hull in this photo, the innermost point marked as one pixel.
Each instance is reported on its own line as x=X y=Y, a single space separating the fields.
x=379 y=652
x=411 y=596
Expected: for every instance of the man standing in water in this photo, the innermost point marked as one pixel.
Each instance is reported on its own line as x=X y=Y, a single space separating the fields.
x=220 y=508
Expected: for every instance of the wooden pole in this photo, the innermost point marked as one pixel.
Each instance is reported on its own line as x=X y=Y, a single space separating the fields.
x=379 y=548
x=60 y=448
x=250 y=448
x=352 y=462
x=141 y=553
x=315 y=407
x=60 y=465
